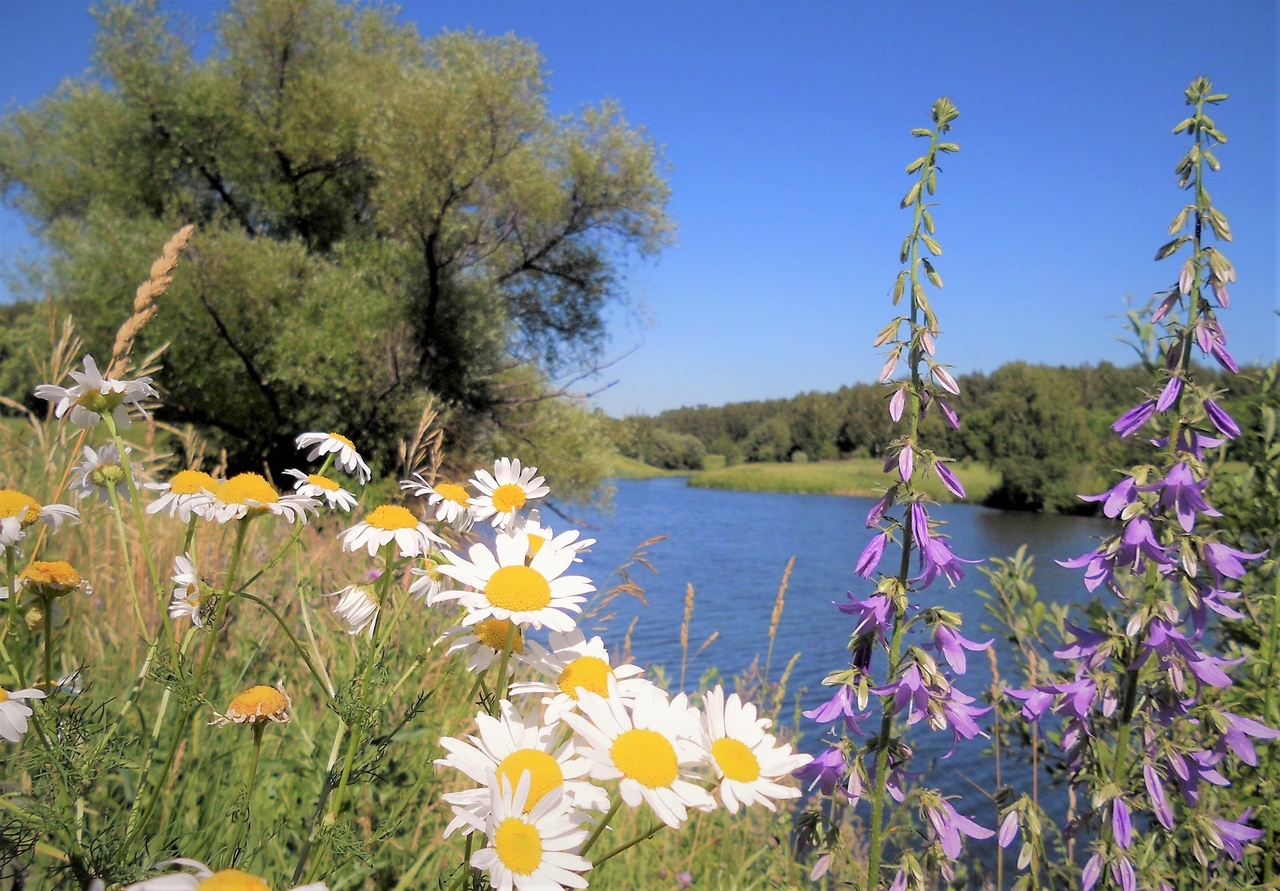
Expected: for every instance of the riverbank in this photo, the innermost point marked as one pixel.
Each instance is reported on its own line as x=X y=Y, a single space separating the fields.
x=863 y=477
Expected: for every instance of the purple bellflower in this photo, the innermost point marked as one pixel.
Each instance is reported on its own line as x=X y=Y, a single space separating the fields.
x=1156 y=797
x=871 y=555
x=1225 y=560
x=1117 y=498
x=951 y=644
x=841 y=704
x=1237 y=736
x=1235 y=835
x=1133 y=420
x=949 y=825
x=949 y=479
x=1169 y=395
x=825 y=771
x=1180 y=491
x=1223 y=421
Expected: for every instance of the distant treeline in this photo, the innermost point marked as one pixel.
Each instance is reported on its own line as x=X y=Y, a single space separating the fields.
x=1045 y=429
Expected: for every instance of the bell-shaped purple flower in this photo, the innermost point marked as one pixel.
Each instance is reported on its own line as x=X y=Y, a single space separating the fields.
x=949 y=826
x=876 y=612
x=1169 y=395
x=1133 y=420
x=897 y=403
x=1035 y=702
x=1123 y=875
x=949 y=479
x=1180 y=491
x=1156 y=797
x=905 y=462
x=871 y=554
x=956 y=710
x=877 y=510
x=1008 y=829
x=1225 y=560
x=1089 y=875
x=825 y=771
x=839 y=705
x=1237 y=736
x=1117 y=498
x=949 y=413
x=951 y=644
x=1121 y=824
x=1234 y=835
x=1220 y=419
x=909 y=691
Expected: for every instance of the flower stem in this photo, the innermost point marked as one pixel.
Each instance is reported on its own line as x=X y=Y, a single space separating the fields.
x=600 y=827
x=242 y=823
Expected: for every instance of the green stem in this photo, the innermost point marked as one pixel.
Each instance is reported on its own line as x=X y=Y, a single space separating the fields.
x=297 y=645
x=500 y=692
x=644 y=836
x=114 y=497
x=600 y=827
x=134 y=502
x=1269 y=684
x=242 y=823
x=47 y=603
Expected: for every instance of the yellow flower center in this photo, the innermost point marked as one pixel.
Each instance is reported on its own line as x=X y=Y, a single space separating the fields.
x=232 y=880
x=57 y=573
x=544 y=773
x=99 y=402
x=735 y=760
x=16 y=504
x=323 y=482
x=645 y=756
x=589 y=672
x=342 y=439
x=493 y=634
x=260 y=701
x=518 y=845
x=518 y=588
x=453 y=492
x=390 y=517
x=191 y=482
x=247 y=487
x=535 y=543
x=508 y=497
x=4 y=695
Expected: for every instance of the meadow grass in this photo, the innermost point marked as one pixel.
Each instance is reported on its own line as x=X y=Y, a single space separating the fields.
x=624 y=468
x=856 y=476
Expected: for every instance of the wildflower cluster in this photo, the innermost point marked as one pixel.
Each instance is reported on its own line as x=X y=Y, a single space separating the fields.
x=565 y=738
x=1139 y=731
x=919 y=681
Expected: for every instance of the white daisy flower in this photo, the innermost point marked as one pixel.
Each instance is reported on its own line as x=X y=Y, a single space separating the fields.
x=746 y=758
x=250 y=495
x=314 y=485
x=505 y=491
x=574 y=663
x=530 y=851
x=540 y=535
x=389 y=523
x=508 y=746
x=428 y=583
x=98 y=470
x=94 y=396
x=187 y=492
x=483 y=642
x=208 y=880
x=505 y=588
x=192 y=597
x=651 y=748
x=257 y=705
x=343 y=450
x=451 y=501
x=357 y=606
x=19 y=511
x=13 y=714
x=49 y=579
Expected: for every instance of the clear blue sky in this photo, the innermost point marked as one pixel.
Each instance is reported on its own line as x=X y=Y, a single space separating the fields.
x=786 y=128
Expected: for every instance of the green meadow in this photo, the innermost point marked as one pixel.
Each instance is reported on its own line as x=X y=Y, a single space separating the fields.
x=855 y=476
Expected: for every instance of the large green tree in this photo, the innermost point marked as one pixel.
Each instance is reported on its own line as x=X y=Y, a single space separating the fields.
x=378 y=217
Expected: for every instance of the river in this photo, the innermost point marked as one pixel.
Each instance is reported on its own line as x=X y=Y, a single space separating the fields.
x=733 y=547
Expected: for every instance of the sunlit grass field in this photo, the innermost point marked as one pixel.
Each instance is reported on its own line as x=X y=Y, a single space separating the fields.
x=856 y=476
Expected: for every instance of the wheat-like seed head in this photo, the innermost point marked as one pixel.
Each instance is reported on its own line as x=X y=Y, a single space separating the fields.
x=144 y=301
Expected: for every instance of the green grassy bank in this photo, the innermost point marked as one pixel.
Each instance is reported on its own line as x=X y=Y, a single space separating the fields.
x=856 y=476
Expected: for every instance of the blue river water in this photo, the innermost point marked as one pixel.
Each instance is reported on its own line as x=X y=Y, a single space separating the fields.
x=733 y=547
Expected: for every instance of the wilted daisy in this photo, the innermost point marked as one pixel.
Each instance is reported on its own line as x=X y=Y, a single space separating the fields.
x=652 y=747
x=13 y=714
x=389 y=523
x=257 y=705
x=505 y=491
x=575 y=663
x=483 y=642
x=343 y=450
x=187 y=492
x=505 y=588
x=746 y=758
x=510 y=745
x=191 y=597
x=94 y=396
x=48 y=579
x=250 y=495
x=357 y=606
x=428 y=582
x=19 y=511
x=313 y=485
x=99 y=469
x=529 y=850
x=540 y=535
x=451 y=501
x=206 y=879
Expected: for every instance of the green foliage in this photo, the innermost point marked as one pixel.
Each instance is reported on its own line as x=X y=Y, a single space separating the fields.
x=378 y=218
